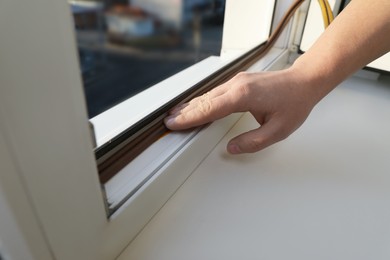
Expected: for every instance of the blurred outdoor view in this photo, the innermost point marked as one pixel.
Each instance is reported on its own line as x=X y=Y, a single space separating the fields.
x=126 y=46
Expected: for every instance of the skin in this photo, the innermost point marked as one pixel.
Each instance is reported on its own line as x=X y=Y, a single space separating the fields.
x=281 y=101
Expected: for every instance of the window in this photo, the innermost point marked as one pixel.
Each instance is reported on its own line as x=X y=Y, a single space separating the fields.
x=118 y=44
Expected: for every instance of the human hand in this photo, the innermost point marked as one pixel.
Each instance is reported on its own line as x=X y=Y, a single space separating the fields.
x=279 y=101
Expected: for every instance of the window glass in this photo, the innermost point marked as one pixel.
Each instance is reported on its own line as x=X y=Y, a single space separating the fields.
x=127 y=46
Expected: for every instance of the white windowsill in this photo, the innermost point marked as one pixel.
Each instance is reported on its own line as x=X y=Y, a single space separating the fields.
x=320 y=194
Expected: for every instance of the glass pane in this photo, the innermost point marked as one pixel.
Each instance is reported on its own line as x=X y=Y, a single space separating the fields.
x=127 y=46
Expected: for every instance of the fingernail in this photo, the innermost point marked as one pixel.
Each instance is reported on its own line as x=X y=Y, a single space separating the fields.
x=169 y=121
x=234 y=149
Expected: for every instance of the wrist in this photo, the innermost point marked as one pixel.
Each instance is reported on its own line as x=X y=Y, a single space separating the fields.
x=317 y=79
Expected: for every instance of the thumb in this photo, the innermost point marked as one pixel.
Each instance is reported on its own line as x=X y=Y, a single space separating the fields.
x=258 y=139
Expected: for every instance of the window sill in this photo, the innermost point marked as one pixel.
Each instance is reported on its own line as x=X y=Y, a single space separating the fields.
x=297 y=199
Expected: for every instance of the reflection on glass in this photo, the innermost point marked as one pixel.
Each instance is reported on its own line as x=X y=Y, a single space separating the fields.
x=127 y=46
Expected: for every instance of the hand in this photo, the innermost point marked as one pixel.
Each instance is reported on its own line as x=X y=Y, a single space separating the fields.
x=279 y=101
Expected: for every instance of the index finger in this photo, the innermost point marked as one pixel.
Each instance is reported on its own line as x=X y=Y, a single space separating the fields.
x=200 y=112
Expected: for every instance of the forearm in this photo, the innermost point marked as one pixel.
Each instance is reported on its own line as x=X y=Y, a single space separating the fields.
x=360 y=34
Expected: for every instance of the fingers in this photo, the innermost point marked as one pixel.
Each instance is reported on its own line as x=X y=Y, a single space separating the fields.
x=258 y=139
x=211 y=106
x=217 y=103
x=200 y=111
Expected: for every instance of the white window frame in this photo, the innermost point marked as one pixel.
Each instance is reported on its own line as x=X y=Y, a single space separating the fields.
x=46 y=136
